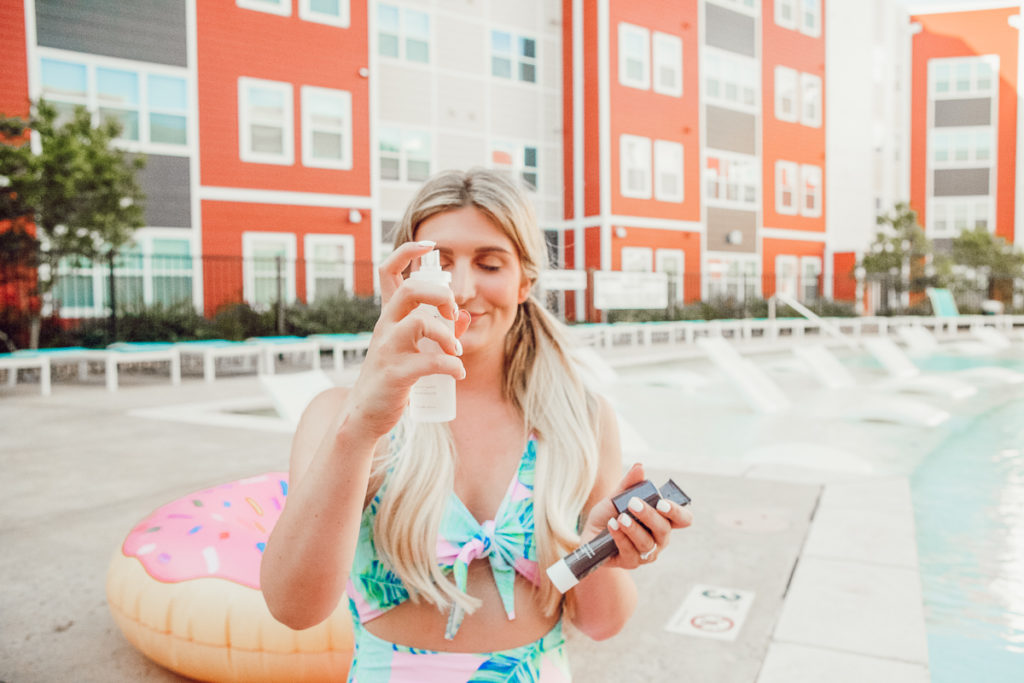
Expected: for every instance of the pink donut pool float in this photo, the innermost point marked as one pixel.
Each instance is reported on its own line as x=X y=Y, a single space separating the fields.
x=184 y=588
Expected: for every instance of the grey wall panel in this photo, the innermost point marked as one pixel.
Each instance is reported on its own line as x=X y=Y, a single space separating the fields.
x=165 y=180
x=973 y=112
x=723 y=221
x=732 y=131
x=960 y=182
x=729 y=30
x=143 y=30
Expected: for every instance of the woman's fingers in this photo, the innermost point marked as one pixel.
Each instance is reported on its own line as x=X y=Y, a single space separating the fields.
x=408 y=297
x=395 y=264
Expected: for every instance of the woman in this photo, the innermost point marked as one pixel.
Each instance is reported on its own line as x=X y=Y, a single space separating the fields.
x=441 y=532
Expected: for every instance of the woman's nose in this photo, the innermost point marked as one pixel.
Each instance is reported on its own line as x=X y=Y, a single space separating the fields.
x=463 y=285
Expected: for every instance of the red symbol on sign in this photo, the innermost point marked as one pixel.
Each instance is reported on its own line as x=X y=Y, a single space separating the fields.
x=714 y=623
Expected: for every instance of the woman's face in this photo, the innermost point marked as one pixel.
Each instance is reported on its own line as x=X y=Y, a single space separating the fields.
x=487 y=277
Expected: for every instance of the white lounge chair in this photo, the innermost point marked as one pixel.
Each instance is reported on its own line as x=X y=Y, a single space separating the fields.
x=921 y=342
x=956 y=384
x=765 y=396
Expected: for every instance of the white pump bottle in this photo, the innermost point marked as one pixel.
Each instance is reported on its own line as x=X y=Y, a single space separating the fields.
x=433 y=397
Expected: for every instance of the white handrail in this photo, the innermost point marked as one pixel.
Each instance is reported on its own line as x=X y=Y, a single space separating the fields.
x=810 y=315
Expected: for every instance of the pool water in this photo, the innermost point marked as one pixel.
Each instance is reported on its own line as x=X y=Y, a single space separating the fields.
x=969 y=511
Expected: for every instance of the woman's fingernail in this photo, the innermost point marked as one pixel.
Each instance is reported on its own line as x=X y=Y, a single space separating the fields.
x=458 y=348
x=664 y=505
x=427 y=243
x=625 y=520
x=635 y=504
x=613 y=525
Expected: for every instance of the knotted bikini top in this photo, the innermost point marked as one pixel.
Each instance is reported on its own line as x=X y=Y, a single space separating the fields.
x=507 y=541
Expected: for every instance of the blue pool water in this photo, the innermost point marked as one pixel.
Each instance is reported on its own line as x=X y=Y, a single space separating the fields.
x=969 y=511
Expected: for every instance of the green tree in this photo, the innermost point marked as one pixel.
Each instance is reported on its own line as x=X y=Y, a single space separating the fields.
x=900 y=250
x=72 y=196
x=996 y=262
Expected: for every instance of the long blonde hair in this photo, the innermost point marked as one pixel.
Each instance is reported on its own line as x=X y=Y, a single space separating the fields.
x=540 y=379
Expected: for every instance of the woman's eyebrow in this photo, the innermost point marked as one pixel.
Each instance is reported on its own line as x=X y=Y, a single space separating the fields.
x=447 y=251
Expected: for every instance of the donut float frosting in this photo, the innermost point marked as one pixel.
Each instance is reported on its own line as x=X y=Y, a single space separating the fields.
x=218 y=532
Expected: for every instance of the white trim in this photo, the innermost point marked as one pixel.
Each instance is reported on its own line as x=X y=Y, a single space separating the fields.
x=238 y=194
x=342 y=99
x=604 y=132
x=787 y=234
x=677 y=256
x=283 y=9
x=950 y=7
x=818 y=272
x=287 y=155
x=782 y=260
x=577 y=147
x=288 y=239
x=780 y=73
x=34 y=77
x=805 y=171
x=814 y=32
x=810 y=80
x=1018 y=230
x=195 y=210
x=695 y=227
x=668 y=150
x=780 y=21
x=309 y=243
x=794 y=169
x=307 y=13
x=373 y=113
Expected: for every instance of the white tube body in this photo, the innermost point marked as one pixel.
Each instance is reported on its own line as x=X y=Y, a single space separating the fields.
x=433 y=396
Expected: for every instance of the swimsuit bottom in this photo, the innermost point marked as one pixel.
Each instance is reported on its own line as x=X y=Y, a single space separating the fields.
x=379 y=661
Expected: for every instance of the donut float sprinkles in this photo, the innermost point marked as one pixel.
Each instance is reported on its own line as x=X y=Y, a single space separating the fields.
x=184 y=589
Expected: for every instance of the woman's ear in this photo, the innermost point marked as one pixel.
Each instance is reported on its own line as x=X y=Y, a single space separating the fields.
x=524 y=289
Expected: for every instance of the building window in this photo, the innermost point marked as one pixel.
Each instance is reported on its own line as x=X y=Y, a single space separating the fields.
x=786 y=275
x=520 y=161
x=963 y=76
x=329 y=266
x=672 y=262
x=786 y=94
x=732 y=278
x=152 y=270
x=750 y=7
x=731 y=80
x=810 y=278
x=634 y=56
x=405 y=155
x=326 y=128
x=810 y=191
x=785 y=13
x=637 y=259
x=265 y=121
x=810 y=17
x=950 y=216
x=267 y=258
x=786 y=187
x=513 y=57
x=953 y=147
x=151 y=106
x=668 y=64
x=668 y=171
x=635 y=164
x=731 y=180
x=330 y=12
x=279 y=7
x=810 y=100
x=403 y=33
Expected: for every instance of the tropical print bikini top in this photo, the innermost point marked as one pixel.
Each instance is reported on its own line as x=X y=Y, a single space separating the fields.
x=507 y=541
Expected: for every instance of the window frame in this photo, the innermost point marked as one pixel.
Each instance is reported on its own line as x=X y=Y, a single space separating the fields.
x=403 y=35
x=674 y=44
x=781 y=207
x=342 y=20
x=787 y=79
x=973 y=91
x=307 y=92
x=806 y=79
x=309 y=244
x=515 y=57
x=806 y=171
x=678 y=257
x=646 y=151
x=731 y=161
x=403 y=157
x=786 y=282
x=644 y=34
x=793 y=23
x=245 y=153
x=283 y=9
x=944 y=206
x=802 y=284
x=637 y=255
x=802 y=7
x=724 y=69
x=249 y=240
x=518 y=168
x=673 y=148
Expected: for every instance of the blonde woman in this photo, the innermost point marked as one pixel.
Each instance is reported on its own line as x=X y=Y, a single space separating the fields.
x=439 y=533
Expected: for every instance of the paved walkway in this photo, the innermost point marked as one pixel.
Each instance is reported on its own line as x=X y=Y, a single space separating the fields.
x=79 y=472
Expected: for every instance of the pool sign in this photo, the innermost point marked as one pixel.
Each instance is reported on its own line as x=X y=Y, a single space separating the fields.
x=615 y=289
x=712 y=612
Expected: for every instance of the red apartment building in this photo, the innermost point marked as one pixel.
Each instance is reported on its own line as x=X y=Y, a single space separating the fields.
x=964 y=152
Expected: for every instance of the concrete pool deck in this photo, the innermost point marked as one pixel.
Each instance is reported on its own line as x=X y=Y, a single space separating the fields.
x=825 y=558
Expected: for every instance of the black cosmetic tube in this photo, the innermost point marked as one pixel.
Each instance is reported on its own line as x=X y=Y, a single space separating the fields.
x=571 y=569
